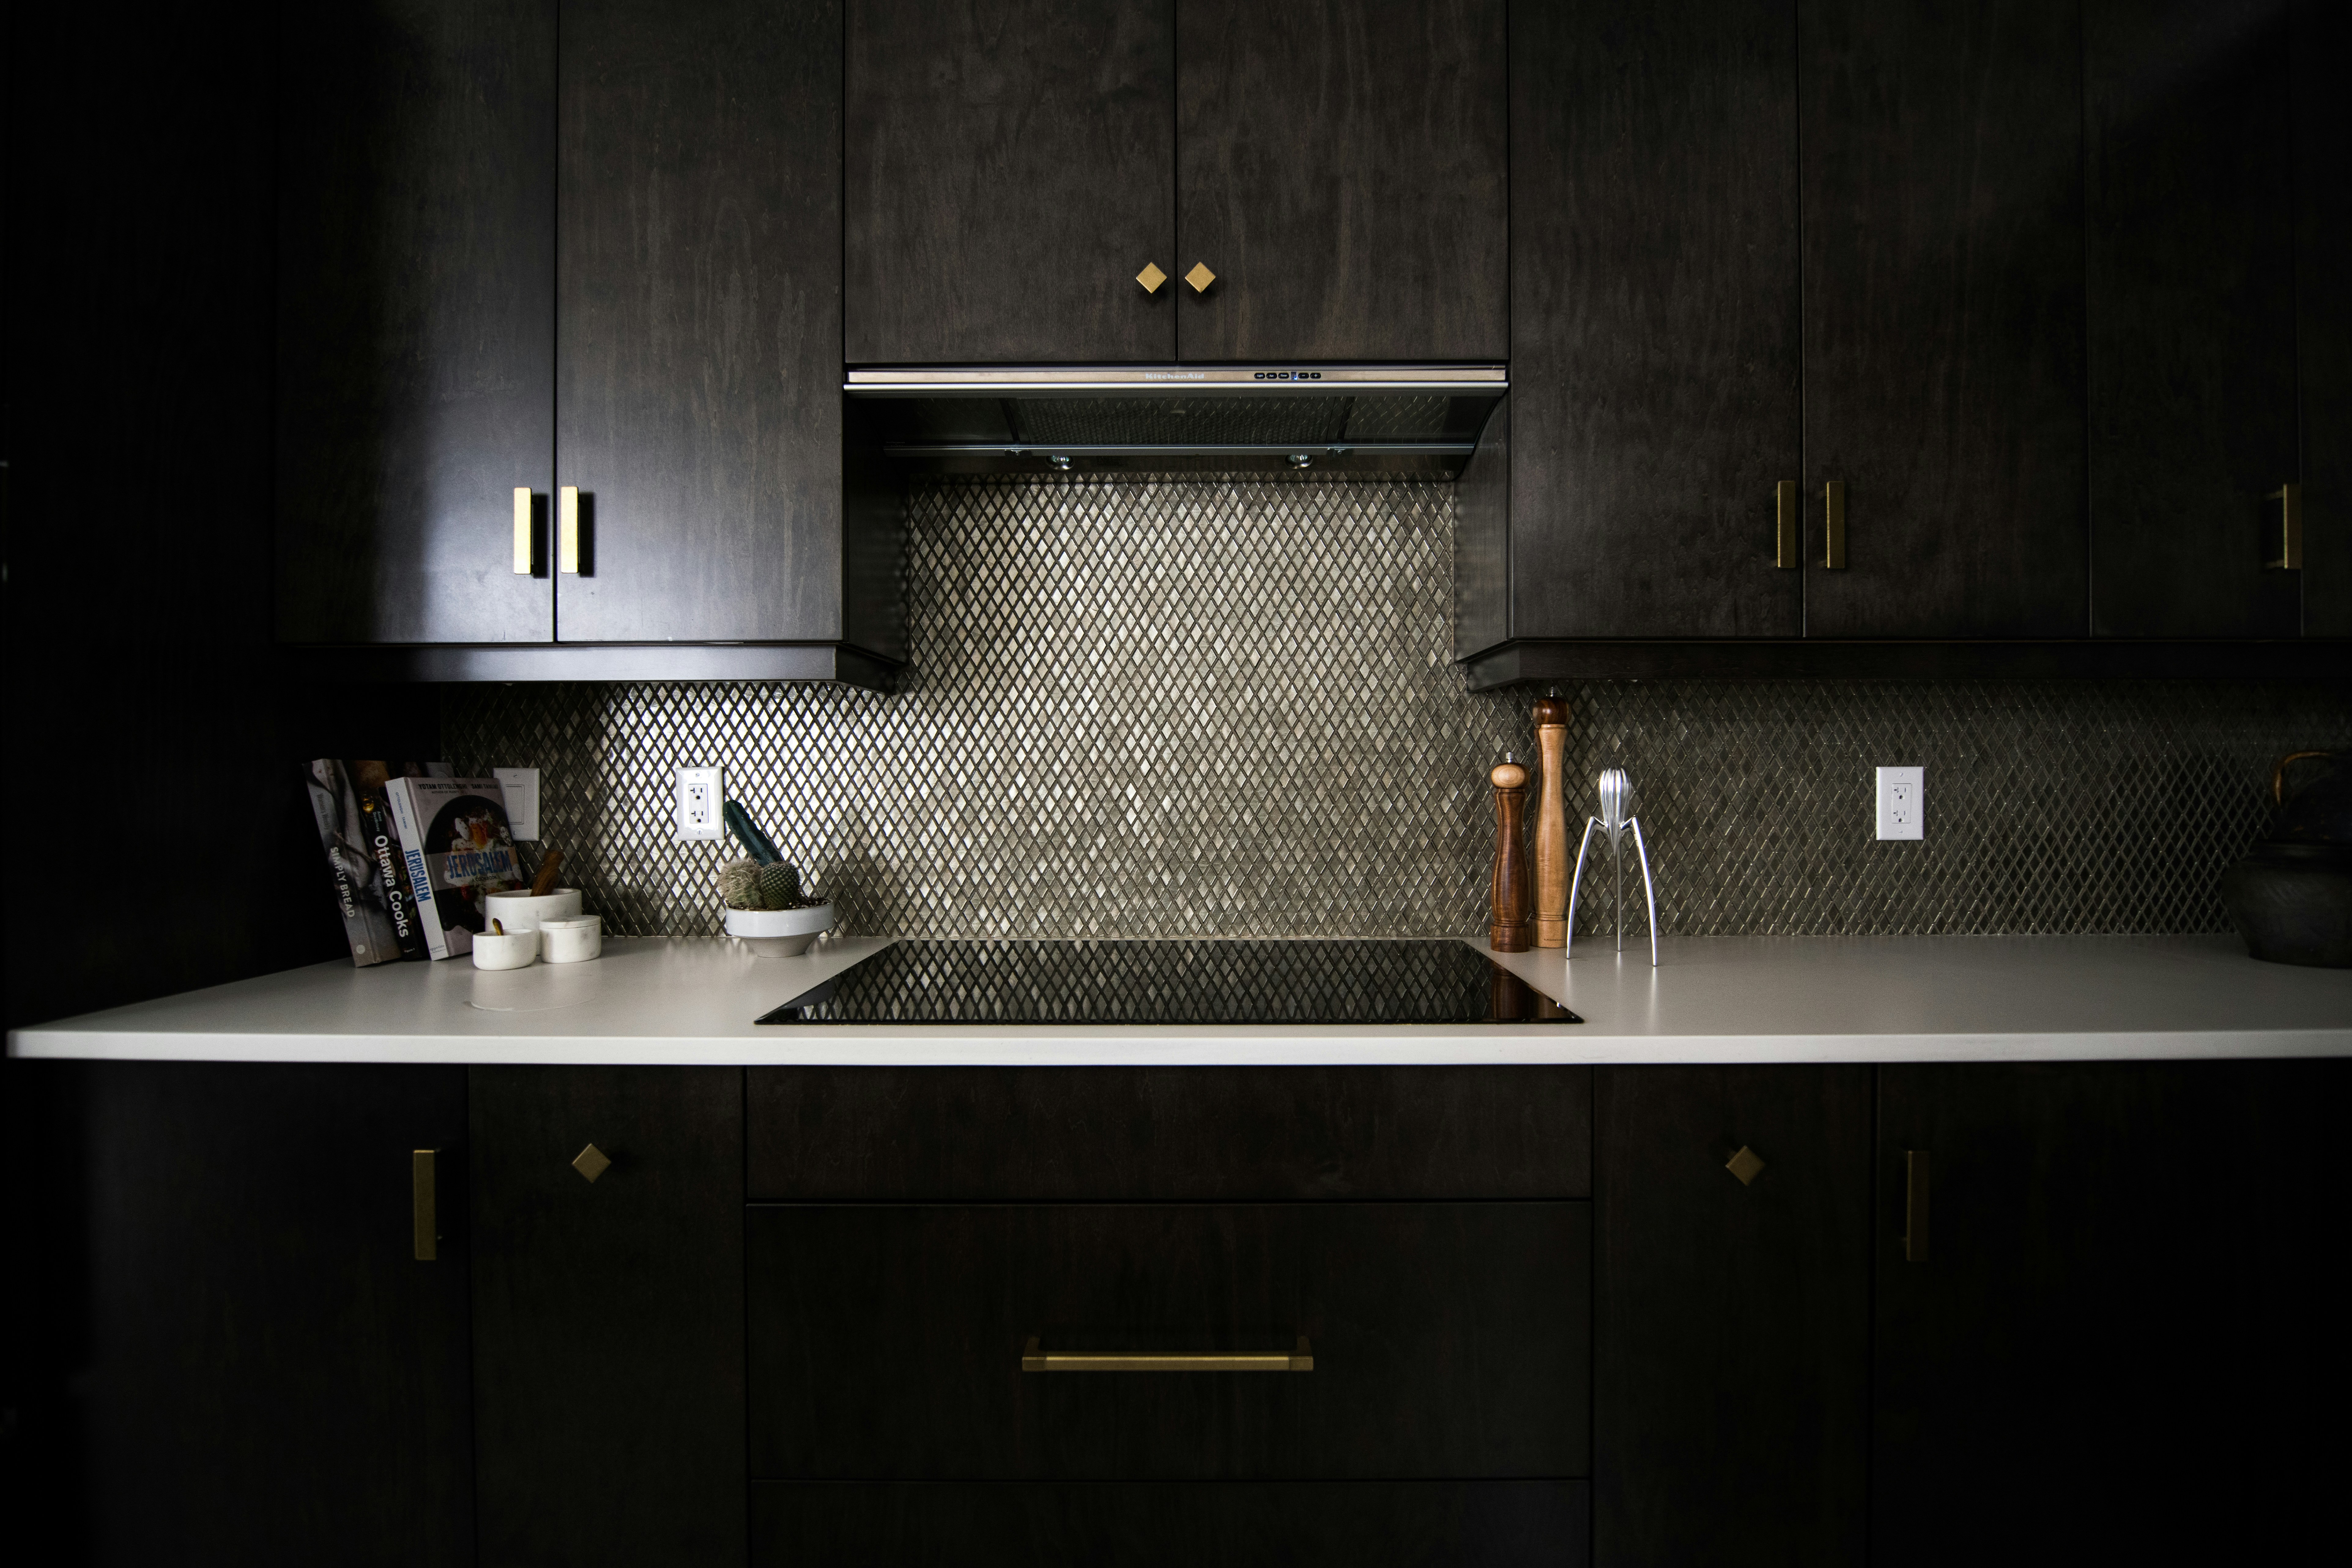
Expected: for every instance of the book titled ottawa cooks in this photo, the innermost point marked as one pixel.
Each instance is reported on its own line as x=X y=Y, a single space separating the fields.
x=455 y=838
x=354 y=820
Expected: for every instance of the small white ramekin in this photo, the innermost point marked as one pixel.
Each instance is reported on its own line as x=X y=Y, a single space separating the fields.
x=574 y=939
x=515 y=949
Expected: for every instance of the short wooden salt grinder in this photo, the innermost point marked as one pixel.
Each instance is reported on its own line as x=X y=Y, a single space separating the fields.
x=1551 y=821
x=1509 y=932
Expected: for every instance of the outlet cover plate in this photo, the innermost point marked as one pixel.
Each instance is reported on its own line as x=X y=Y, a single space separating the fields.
x=700 y=798
x=521 y=787
x=1901 y=803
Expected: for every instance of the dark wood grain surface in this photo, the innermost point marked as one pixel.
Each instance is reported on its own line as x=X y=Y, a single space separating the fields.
x=263 y=1371
x=2190 y=189
x=1941 y=157
x=2128 y=1275
x=1166 y=1134
x=1011 y=169
x=1451 y=1341
x=698 y=391
x=1482 y=540
x=1296 y=1524
x=609 y=1315
x=1653 y=318
x=1731 y=1321
x=2323 y=178
x=416 y=317
x=1341 y=168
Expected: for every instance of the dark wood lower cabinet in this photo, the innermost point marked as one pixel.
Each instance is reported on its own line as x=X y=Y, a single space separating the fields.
x=2125 y=1341
x=258 y=1370
x=1731 y=1366
x=609 y=1315
x=1450 y=1341
x=1240 y=1524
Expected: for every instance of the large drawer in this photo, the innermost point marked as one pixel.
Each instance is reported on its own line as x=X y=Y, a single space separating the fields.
x=1448 y=1340
x=1199 y=1134
x=1170 y=1524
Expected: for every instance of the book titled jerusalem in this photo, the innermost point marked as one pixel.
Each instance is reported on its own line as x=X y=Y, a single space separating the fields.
x=459 y=850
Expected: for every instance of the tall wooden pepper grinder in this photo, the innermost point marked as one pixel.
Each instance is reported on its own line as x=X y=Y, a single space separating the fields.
x=1551 y=821
x=1509 y=891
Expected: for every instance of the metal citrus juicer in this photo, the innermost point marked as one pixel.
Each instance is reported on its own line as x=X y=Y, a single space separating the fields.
x=1616 y=819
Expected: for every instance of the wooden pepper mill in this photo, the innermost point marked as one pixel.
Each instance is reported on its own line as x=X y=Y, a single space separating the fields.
x=1551 y=821
x=1509 y=891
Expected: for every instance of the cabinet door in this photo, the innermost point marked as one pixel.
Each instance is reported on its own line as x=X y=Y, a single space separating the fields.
x=1011 y=169
x=2192 y=221
x=2124 y=1343
x=609 y=1367
x=1731 y=1317
x=416 y=318
x=262 y=1370
x=2322 y=179
x=1943 y=276
x=699 y=408
x=1340 y=169
x=1653 y=318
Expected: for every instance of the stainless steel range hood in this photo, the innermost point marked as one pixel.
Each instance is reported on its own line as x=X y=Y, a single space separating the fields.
x=1064 y=417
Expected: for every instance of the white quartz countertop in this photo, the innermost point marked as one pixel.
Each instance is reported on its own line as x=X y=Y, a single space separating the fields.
x=1720 y=999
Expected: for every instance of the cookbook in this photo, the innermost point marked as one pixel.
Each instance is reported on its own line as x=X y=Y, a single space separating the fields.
x=458 y=849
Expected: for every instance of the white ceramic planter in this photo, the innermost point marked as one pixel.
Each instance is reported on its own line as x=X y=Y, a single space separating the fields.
x=780 y=933
x=518 y=911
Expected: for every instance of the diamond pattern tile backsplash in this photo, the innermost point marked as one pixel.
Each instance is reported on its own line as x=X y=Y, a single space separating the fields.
x=1223 y=706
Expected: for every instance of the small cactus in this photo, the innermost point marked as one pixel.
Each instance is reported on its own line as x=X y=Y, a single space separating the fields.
x=746 y=884
x=780 y=884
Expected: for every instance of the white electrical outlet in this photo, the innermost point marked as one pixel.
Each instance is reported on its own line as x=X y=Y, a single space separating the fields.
x=1901 y=803
x=521 y=787
x=700 y=802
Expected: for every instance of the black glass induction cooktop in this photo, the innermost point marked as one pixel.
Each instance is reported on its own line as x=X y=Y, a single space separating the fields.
x=1174 y=983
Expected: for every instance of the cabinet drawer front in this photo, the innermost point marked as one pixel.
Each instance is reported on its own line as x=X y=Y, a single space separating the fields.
x=1449 y=1340
x=1299 y=1524
x=1168 y=1134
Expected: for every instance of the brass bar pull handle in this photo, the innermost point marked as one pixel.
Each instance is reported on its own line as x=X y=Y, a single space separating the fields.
x=523 y=531
x=1833 y=534
x=426 y=1217
x=1915 y=1206
x=1035 y=1360
x=1786 y=552
x=567 y=547
x=2290 y=500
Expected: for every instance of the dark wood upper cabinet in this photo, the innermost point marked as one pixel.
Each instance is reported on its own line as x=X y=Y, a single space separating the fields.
x=2323 y=178
x=1941 y=167
x=416 y=317
x=2124 y=1341
x=1655 y=401
x=2190 y=189
x=609 y=1318
x=1340 y=168
x=1010 y=169
x=1731 y=1360
x=700 y=405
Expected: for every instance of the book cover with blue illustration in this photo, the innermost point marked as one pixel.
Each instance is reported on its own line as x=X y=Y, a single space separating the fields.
x=459 y=848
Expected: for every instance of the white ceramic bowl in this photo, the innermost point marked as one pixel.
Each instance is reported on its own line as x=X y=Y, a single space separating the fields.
x=516 y=949
x=573 y=941
x=518 y=911
x=780 y=933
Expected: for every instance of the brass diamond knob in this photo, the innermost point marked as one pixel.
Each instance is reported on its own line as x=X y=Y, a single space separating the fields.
x=592 y=1163
x=1199 y=278
x=1151 y=277
x=1744 y=1165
